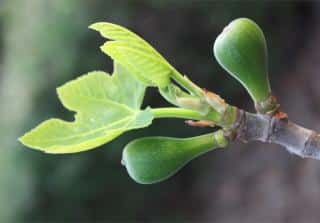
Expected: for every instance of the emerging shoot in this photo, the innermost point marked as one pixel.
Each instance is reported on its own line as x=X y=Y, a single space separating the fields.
x=108 y=105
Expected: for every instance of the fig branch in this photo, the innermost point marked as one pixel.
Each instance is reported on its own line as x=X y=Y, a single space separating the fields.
x=241 y=50
x=248 y=127
x=271 y=129
x=108 y=105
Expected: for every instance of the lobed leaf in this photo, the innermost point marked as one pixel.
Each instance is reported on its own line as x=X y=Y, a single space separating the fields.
x=106 y=106
x=135 y=54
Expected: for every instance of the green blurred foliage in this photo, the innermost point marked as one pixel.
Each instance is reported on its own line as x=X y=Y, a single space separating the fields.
x=46 y=43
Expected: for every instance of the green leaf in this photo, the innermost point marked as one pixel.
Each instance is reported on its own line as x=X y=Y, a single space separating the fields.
x=175 y=95
x=106 y=106
x=135 y=54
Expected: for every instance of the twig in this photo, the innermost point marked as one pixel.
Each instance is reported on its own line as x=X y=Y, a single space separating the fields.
x=295 y=138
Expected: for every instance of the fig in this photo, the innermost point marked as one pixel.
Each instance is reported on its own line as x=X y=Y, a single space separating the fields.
x=241 y=50
x=153 y=159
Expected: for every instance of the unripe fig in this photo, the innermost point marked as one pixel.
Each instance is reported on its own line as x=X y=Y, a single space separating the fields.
x=152 y=159
x=242 y=51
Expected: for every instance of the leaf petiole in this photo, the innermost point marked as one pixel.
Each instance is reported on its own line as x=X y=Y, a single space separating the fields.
x=187 y=84
x=171 y=112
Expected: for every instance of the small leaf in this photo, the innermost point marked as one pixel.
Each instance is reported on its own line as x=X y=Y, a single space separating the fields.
x=135 y=54
x=175 y=95
x=106 y=106
x=153 y=159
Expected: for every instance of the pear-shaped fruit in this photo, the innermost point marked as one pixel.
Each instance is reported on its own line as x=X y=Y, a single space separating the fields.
x=242 y=51
x=152 y=159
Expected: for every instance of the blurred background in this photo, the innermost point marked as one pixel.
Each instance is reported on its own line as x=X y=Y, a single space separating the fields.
x=44 y=43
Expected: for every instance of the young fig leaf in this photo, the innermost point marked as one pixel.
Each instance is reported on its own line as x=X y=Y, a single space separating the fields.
x=106 y=106
x=153 y=159
x=175 y=95
x=134 y=53
x=242 y=51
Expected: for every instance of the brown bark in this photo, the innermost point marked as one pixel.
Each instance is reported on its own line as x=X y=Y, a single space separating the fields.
x=295 y=138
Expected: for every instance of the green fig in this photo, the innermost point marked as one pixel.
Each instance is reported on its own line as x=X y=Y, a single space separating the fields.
x=241 y=50
x=153 y=159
